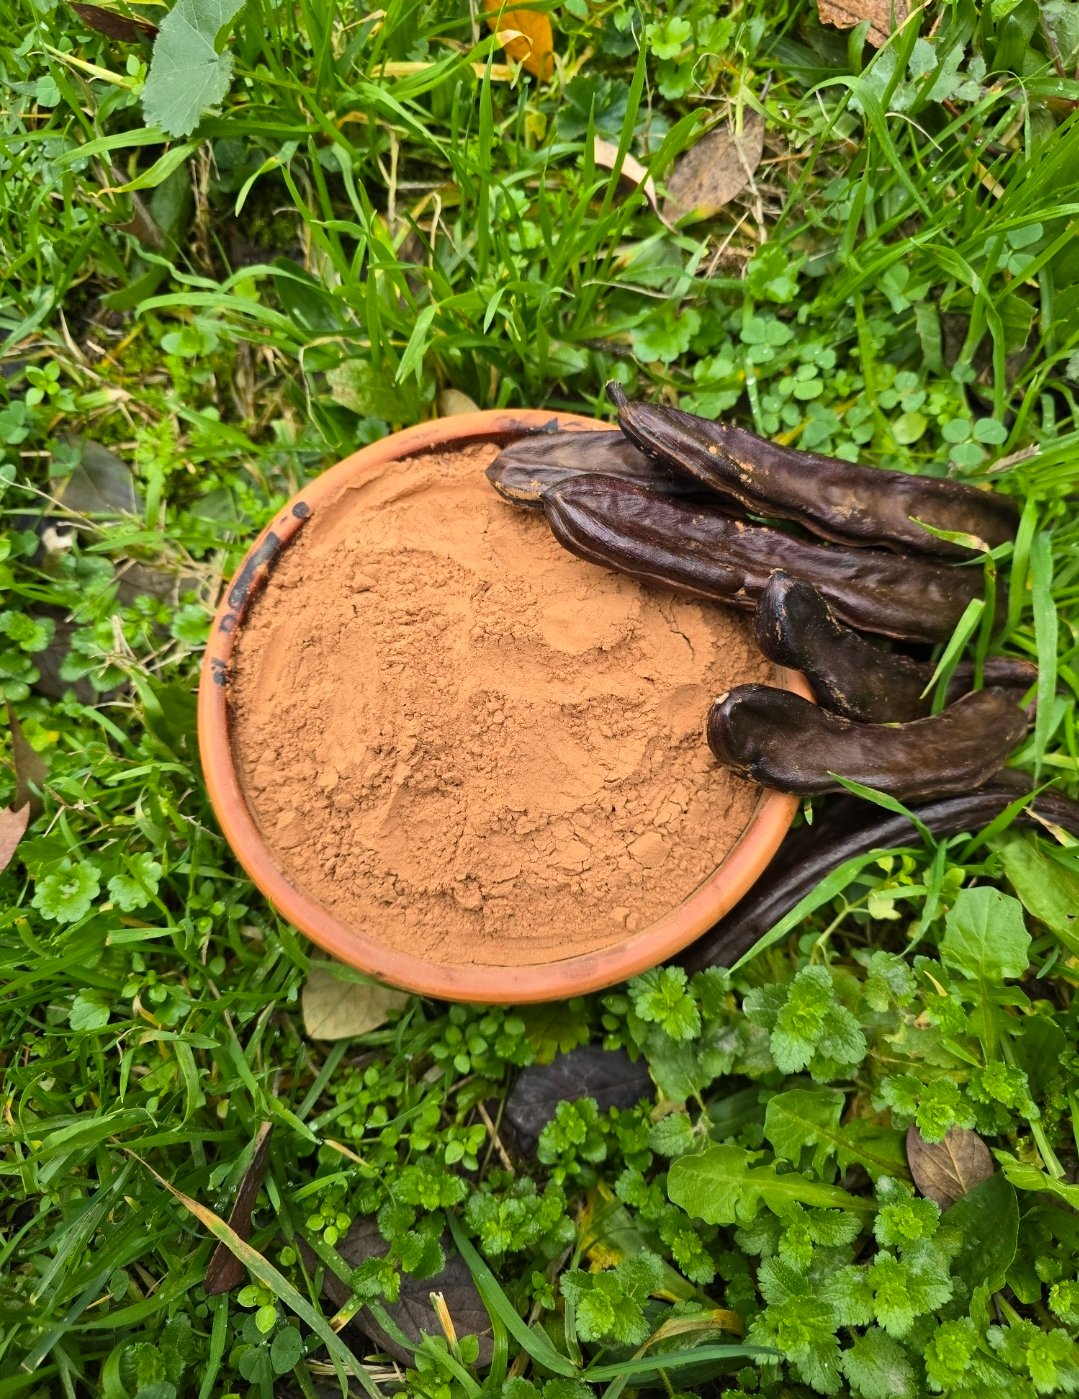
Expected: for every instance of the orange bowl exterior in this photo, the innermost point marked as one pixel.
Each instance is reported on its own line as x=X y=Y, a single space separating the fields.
x=547 y=981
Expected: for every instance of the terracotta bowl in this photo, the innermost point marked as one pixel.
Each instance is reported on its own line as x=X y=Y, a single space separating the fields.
x=549 y=981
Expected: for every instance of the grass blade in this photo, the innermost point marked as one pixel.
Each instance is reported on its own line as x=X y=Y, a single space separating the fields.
x=1046 y=632
x=534 y=1342
x=259 y=1267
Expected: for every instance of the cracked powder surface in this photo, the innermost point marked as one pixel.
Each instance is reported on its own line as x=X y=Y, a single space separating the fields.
x=470 y=744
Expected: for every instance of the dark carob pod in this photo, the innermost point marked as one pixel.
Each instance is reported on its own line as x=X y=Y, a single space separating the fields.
x=835 y=499
x=794 y=626
x=712 y=555
x=846 y=827
x=785 y=742
x=523 y=471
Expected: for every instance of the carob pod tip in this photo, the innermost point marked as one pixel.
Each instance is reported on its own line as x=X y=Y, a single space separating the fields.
x=836 y=499
x=787 y=743
x=794 y=626
x=525 y=468
x=846 y=827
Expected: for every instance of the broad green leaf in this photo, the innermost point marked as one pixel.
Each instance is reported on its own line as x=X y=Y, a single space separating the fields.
x=1025 y=1176
x=806 y=1118
x=987 y=1220
x=985 y=936
x=1048 y=891
x=187 y=74
x=1038 y=1052
x=721 y=1186
x=357 y=384
x=89 y=1010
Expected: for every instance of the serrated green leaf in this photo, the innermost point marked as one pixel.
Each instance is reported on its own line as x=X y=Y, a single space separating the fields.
x=661 y=997
x=985 y=936
x=135 y=890
x=803 y=1328
x=672 y=1135
x=187 y=74
x=721 y=1186
x=908 y=1288
x=878 y=1367
x=67 y=893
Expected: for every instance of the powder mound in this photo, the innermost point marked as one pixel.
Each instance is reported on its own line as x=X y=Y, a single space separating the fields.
x=471 y=745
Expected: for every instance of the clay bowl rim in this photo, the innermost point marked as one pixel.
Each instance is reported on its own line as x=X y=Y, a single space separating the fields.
x=491 y=985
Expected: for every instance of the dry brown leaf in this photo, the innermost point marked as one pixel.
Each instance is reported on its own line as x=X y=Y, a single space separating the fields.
x=606 y=155
x=13 y=823
x=883 y=16
x=453 y=401
x=712 y=172
x=526 y=35
x=334 y=1009
x=946 y=1171
x=31 y=769
x=413 y=1311
x=225 y=1271
x=127 y=28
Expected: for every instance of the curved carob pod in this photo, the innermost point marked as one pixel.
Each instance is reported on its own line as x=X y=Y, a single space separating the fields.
x=833 y=498
x=712 y=555
x=794 y=626
x=847 y=827
x=527 y=467
x=785 y=742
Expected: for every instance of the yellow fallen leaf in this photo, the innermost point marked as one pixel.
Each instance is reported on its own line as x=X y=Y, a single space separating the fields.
x=605 y=155
x=452 y=401
x=526 y=35
x=336 y=1009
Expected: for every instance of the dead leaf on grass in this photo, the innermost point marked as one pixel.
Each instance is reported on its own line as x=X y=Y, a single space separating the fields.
x=101 y=486
x=526 y=35
x=31 y=769
x=884 y=16
x=605 y=154
x=607 y=1075
x=129 y=29
x=225 y=1271
x=453 y=401
x=335 y=1009
x=13 y=823
x=718 y=167
x=413 y=1311
x=946 y=1171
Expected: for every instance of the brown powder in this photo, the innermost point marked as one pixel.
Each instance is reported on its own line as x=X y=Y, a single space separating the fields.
x=495 y=750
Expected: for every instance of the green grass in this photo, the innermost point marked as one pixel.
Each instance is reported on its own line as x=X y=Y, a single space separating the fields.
x=374 y=216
